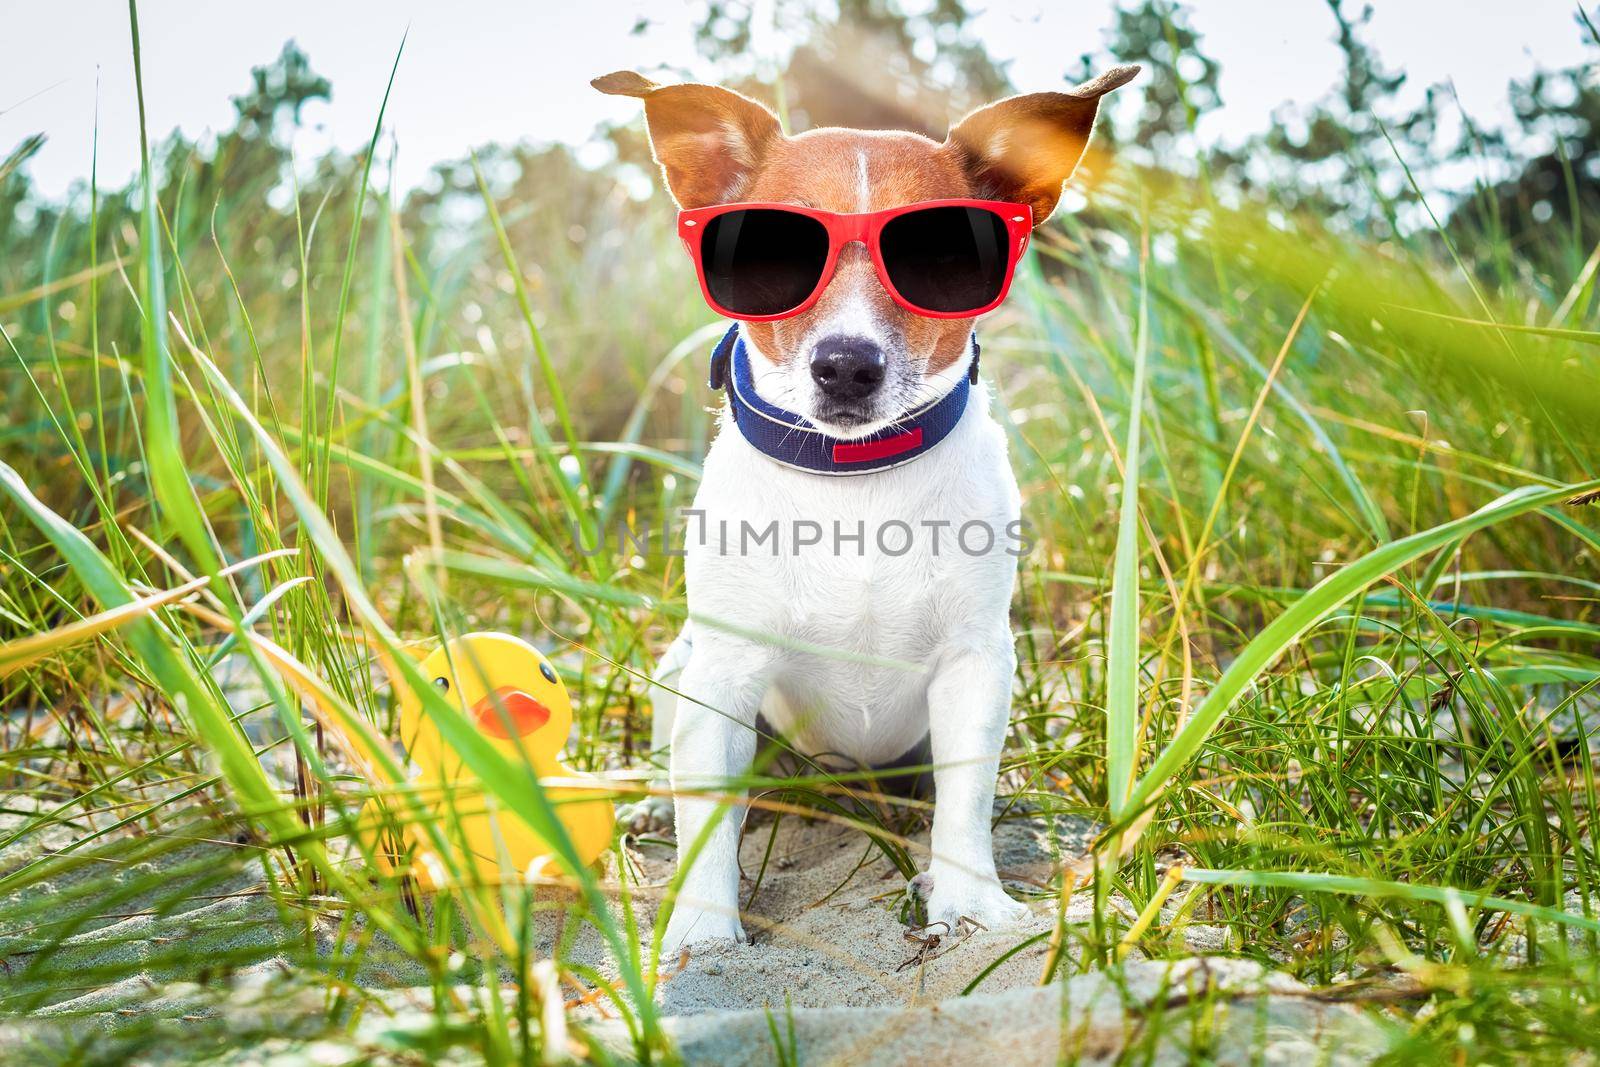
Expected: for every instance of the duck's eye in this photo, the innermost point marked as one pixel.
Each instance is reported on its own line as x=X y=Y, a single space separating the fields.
x=549 y=673
x=442 y=684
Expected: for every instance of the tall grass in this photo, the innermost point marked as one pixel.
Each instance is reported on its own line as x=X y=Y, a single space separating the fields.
x=1309 y=626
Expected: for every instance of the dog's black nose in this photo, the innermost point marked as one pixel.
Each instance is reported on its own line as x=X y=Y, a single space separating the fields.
x=847 y=368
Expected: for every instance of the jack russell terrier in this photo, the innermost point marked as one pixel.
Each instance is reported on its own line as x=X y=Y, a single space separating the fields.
x=856 y=469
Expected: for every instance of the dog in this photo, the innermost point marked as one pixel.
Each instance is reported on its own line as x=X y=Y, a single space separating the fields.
x=853 y=408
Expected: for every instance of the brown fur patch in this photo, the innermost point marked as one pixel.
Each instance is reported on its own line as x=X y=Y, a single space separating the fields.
x=821 y=169
x=707 y=140
x=1024 y=148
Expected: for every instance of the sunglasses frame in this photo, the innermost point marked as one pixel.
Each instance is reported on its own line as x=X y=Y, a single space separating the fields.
x=866 y=228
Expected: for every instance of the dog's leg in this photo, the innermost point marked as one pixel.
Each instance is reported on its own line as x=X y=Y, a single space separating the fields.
x=653 y=813
x=969 y=706
x=713 y=741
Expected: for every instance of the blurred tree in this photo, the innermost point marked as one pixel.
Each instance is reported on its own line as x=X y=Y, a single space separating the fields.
x=230 y=180
x=237 y=177
x=287 y=84
x=1336 y=159
x=1332 y=159
x=1543 y=207
x=1178 y=87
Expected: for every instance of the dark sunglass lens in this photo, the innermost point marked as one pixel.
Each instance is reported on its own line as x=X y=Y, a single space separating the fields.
x=759 y=261
x=949 y=259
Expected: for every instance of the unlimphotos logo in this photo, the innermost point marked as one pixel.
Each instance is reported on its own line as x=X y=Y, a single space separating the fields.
x=794 y=537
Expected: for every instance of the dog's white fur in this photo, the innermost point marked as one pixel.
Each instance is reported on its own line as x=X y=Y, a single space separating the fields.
x=935 y=607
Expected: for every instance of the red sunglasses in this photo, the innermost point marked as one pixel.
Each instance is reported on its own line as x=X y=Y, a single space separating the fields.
x=945 y=259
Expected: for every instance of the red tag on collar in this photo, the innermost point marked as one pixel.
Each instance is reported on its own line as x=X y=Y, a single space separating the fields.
x=867 y=451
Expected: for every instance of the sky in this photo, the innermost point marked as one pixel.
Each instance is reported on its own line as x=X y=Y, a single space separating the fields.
x=475 y=72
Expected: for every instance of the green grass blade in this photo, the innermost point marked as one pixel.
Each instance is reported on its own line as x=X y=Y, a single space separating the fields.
x=169 y=477
x=1280 y=634
x=351 y=250
x=1122 y=644
x=1377 y=888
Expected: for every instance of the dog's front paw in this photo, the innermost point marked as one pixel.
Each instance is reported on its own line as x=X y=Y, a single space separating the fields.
x=647 y=815
x=953 y=897
x=691 y=926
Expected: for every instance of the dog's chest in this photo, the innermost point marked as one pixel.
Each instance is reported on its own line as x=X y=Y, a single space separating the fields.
x=862 y=585
x=882 y=564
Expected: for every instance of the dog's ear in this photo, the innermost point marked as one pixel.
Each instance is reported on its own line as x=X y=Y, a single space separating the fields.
x=1023 y=148
x=708 y=140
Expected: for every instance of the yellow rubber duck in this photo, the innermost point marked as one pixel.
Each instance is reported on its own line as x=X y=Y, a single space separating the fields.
x=511 y=693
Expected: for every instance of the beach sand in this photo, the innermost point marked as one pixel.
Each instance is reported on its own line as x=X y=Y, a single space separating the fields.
x=829 y=958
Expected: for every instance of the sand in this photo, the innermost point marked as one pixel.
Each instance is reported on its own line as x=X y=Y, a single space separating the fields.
x=829 y=957
x=1197 y=1010
x=826 y=930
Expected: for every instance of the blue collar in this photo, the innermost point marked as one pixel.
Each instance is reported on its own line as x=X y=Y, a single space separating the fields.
x=796 y=442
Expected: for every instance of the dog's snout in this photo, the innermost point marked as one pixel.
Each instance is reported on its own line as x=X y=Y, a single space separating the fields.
x=847 y=368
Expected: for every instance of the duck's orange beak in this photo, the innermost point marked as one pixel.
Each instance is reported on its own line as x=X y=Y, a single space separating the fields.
x=509 y=712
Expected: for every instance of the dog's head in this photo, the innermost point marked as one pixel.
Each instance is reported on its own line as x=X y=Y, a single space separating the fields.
x=856 y=359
